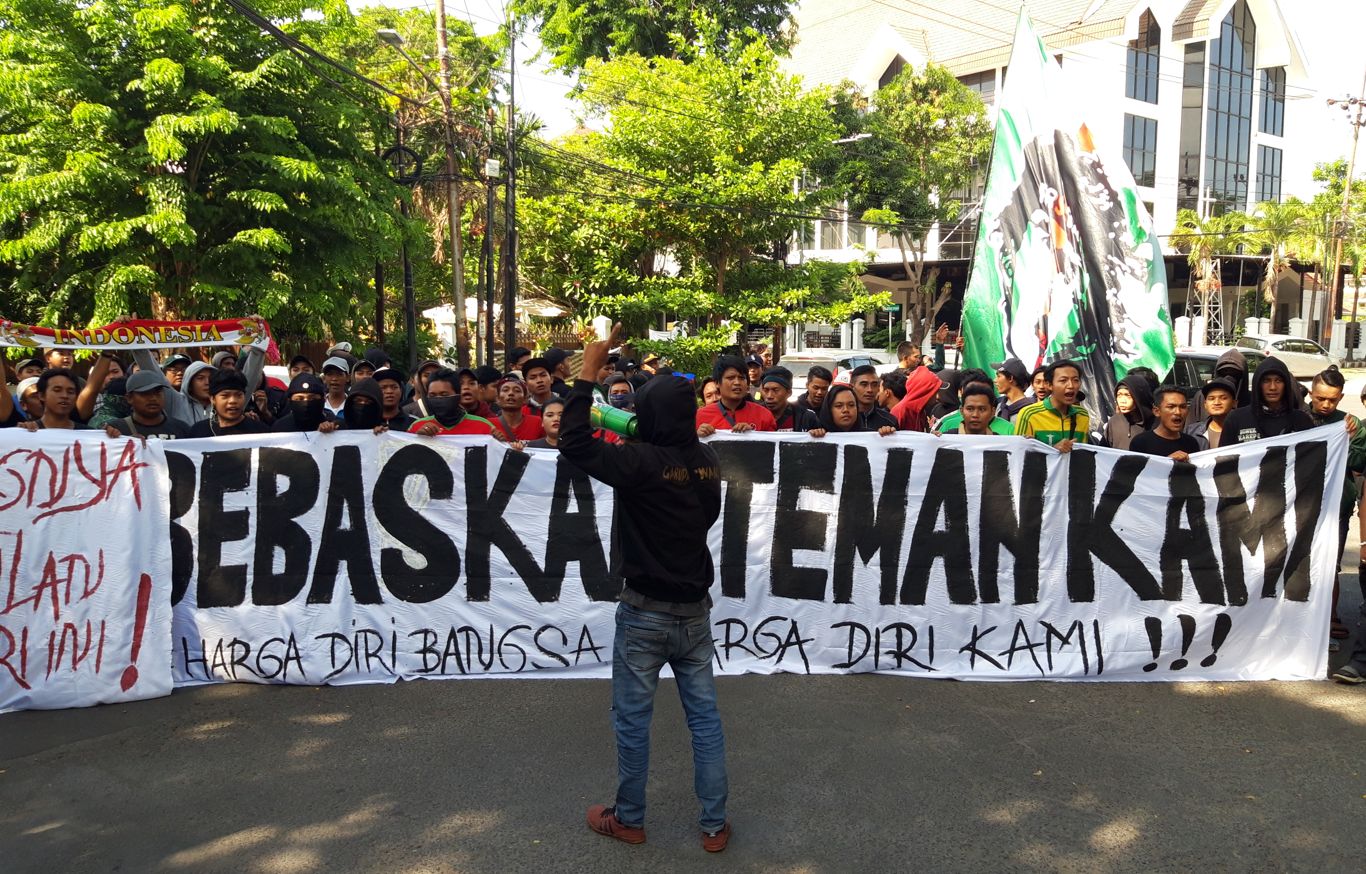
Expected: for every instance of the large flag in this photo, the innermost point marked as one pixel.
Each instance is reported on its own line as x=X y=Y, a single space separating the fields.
x=1066 y=264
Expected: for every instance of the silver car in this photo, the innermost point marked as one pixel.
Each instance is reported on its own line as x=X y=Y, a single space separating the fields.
x=1304 y=358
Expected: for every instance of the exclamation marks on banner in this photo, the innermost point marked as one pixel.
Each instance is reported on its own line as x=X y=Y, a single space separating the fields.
x=130 y=673
x=1223 y=623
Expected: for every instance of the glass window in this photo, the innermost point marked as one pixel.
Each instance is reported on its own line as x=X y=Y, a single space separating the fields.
x=1268 y=174
x=1141 y=75
x=832 y=230
x=1140 y=148
x=1312 y=348
x=1192 y=116
x=984 y=83
x=1229 y=112
x=1248 y=343
x=896 y=66
x=1281 y=346
x=1273 y=101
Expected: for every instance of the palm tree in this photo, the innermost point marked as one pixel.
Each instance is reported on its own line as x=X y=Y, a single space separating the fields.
x=1276 y=228
x=1204 y=240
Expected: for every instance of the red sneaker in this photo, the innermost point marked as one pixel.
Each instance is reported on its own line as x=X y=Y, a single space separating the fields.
x=603 y=820
x=715 y=843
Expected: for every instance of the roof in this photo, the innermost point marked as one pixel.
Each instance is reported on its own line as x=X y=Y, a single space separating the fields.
x=967 y=36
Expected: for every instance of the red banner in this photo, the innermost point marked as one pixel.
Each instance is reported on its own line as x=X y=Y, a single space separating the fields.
x=251 y=331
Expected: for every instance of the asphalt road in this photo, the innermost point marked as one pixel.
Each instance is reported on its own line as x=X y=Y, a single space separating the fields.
x=828 y=774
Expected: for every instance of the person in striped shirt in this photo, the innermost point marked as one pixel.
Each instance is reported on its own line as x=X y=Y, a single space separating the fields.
x=1057 y=419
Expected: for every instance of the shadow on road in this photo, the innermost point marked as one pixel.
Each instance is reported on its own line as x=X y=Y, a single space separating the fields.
x=828 y=774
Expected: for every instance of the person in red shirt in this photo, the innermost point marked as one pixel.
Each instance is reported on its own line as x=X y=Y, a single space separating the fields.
x=514 y=420
x=921 y=386
x=735 y=411
x=447 y=417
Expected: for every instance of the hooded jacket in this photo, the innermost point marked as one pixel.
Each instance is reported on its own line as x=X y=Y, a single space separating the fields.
x=1122 y=428
x=668 y=489
x=922 y=384
x=194 y=410
x=363 y=388
x=827 y=415
x=1255 y=421
x=945 y=399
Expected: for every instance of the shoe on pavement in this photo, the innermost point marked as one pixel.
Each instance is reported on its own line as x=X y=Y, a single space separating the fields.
x=715 y=842
x=603 y=820
x=1348 y=674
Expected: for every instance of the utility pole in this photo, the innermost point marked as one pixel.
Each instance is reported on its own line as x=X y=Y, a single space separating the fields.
x=1353 y=106
x=491 y=170
x=510 y=210
x=462 y=340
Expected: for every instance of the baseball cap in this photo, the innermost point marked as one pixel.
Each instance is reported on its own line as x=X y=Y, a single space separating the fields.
x=338 y=347
x=1013 y=368
x=533 y=363
x=650 y=356
x=176 y=361
x=24 y=385
x=337 y=362
x=626 y=365
x=555 y=356
x=30 y=362
x=306 y=382
x=1220 y=382
x=754 y=361
x=384 y=373
x=143 y=381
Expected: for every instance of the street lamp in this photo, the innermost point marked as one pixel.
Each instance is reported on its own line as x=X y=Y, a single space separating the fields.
x=394 y=40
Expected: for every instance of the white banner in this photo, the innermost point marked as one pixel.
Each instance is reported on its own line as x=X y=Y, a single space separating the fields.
x=85 y=590
x=348 y=558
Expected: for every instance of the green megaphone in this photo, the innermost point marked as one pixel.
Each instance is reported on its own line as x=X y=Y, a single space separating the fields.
x=609 y=418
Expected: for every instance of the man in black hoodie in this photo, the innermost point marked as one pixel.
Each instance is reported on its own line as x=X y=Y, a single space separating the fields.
x=668 y=494
x=305 y=411
x=1274 y=410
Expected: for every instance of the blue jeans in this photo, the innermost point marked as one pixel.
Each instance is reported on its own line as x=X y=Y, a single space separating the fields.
x=645 y=642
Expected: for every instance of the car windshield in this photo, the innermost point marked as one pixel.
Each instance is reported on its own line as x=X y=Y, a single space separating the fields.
x=1248 y=343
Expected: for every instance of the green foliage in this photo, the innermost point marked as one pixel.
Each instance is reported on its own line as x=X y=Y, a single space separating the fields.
x=166 y=157
x=908 y=155
x=692 y=354
x=577 y=31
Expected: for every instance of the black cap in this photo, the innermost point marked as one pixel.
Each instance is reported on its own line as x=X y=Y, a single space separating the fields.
x=517 y=353
x=626 y=365
x=1013 y=368
x=176 y=361
x=555 y=356
x=306 y=382
x=754 y=361
x=1220 y=382
x=388 y=373
x=533 y=363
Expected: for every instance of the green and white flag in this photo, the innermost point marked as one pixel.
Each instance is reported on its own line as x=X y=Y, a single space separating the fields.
x=1066 y=264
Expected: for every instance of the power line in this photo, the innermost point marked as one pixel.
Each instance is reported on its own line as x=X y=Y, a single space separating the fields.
x=302 y=48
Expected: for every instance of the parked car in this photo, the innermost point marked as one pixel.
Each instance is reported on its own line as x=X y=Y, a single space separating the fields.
x=1194 y=365
x=1303 y=357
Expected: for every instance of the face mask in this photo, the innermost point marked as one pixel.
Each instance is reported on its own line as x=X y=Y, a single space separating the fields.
x=445 y=410
x=307 y=414
x=623 y=400
x=364 y=416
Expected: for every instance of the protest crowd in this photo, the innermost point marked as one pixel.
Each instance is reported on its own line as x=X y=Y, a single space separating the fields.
x=226 y=393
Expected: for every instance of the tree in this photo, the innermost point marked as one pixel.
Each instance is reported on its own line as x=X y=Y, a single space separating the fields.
x=166 y=156
x=1274 y=227
x=697 y=168
x=577 y=31
x=908 y=158
x=1204 y=240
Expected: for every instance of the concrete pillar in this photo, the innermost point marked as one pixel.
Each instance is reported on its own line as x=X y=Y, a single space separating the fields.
x=1298 y=327
x=858 y=328
x=1337 y=343
x=1263 y=326
x=847 y=335
x=602 y=326
x=1182 y=326
x=1198 y=335
x=1250 y=325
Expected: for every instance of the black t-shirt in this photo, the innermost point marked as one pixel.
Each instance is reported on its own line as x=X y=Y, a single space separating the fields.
x=167 y=429
x=1152 y=443
x=204 y=428
x=14 y=417
x=541 y=444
